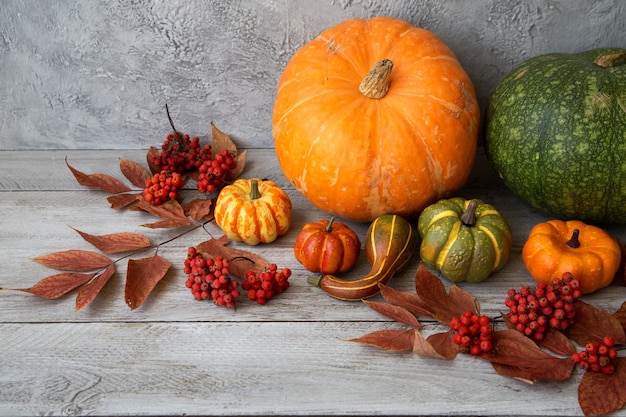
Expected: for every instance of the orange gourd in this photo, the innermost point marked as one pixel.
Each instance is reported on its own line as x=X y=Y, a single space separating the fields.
x=253 y=211
x=375 y=116
x=327 y=246
x=588 y=252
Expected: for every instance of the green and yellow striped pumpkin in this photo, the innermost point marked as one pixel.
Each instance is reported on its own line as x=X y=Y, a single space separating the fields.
x=465 y=240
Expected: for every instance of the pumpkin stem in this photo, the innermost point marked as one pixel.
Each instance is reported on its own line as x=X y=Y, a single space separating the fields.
x=609 y=60
x=376 y=82
x=329 y=227
x=469 y=215
x=254 y=189
x=574 y=242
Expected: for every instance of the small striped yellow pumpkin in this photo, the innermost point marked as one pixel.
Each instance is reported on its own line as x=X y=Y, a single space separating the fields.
x=253 y=211
x=465 y=240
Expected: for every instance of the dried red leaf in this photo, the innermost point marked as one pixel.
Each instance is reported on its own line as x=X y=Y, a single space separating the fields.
x=410 y=301
x=553 y=340
x=116 y=242
x=134 y=172
x=98 y=181
x=119 y=201
x=55 y=286
x=240 y=165
x=592 y=324
x=171 y=210
x=240 y=261
x=394 y=312
x=444 y=306
x=88 y=292
x=600 y=394
x=392 y=340
x=519 y=357
x=153 y=154
x=423 y=347
x=74 y=260
x=443 y=344
x=141 y=278
x=221 y=141
x=199 y=208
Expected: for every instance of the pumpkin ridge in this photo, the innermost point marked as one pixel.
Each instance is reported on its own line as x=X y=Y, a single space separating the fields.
x=495 y=244
x=443 y=254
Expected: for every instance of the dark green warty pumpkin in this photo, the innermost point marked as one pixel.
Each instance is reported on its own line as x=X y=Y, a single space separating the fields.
x=555 y=132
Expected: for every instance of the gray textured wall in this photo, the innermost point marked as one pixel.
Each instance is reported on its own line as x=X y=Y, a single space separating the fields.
x=96 y=74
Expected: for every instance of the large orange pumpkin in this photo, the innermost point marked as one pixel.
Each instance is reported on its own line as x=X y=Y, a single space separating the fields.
x=375 y=116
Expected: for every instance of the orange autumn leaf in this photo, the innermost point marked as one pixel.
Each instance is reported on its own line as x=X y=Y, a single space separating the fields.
x=600 y=394
x=199 y=208
x=101 y=182
x=116 y=242
x=88 y=292
x=119 y=201
x=141 y=277
x=592 y=325
x=171 y=211
x=56 y=286
x=394 y=312
x=74 y=260
x=392 y=339
x=134 y=172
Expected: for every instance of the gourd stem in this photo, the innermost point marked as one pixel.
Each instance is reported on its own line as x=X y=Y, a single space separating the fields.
x=376 y=83
x=609 y=60
x=329 y=227
x=469 y=215
x=254 y=189
x=574 y=242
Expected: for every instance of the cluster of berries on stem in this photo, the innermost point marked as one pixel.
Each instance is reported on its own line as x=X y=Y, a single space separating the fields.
x=163 y=186
x=264 y=285
x=214 y=173
x=473 y=332
x=211 y=279
x=597 y=356
x=533 y=310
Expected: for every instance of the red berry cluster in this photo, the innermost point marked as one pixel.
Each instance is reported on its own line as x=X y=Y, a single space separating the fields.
x=264 y=285
x=182 y=154
x=210 y=278
x=473 y=332
x=214 y=173
x=533 y=310
x=162 y=187
x=597 y=357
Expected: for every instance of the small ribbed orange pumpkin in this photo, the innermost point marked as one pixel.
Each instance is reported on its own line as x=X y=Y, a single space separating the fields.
x=375 y=116
x=557 y=246
x=253 y=211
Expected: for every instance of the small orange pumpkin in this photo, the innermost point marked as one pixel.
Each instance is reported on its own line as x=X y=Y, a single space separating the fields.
x=253 y=211
x=557 y=246
x=375 y=116
x=327 y=246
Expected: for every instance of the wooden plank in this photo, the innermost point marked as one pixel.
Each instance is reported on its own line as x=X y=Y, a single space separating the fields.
x=282 y=368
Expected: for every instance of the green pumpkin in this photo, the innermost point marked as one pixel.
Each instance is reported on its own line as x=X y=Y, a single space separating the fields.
x=465 y=240
x=555 y=132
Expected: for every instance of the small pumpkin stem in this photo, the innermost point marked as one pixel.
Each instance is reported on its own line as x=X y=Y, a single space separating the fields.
x=574 y=242
x=376 y=82
x=254 y=189
x=329 y=227
x=609 y=60
x=469 y=215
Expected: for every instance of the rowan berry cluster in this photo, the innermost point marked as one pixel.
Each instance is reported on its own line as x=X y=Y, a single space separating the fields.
x=214 y=173
x=182 y=154
x=597 y=356
x=162 y=187
x=473 y=332
x=210 y=278
x=264 y=285
x=533 y=310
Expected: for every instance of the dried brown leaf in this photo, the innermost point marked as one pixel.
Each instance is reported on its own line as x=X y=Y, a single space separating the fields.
x=422 y=347
x=199 y=208
x=392 y=340
x=88 y=292
x=119 y=201
x=620 y=315
x=444 y=345
x=553 y=340
x=240 y=261
x=221 y=141
x=394 y=312
x=152 y=154
x=592 y=324
x=444 y=307
x=171 y=210
x=410 y=301
x=134 y=172
x=101 y=182
x=241 y=165
x=74 y=260
x=55 y=286
x=600 y=394
x=116 y=242
x=141 y=278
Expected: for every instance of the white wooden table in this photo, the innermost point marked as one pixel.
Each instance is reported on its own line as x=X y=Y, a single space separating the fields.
x=177 y=356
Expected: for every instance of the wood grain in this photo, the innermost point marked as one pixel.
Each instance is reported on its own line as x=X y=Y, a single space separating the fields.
x=176 y=356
